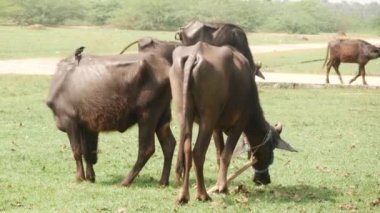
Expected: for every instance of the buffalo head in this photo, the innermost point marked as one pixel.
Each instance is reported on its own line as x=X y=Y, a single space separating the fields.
x=264 y=154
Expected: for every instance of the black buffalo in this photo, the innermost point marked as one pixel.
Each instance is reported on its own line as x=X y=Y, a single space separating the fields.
x=107 y=93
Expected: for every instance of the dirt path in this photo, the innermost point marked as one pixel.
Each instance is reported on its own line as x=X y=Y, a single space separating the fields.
x=46 y=66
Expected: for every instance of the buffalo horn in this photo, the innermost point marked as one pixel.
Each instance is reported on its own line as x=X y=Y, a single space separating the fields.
x=278 y=127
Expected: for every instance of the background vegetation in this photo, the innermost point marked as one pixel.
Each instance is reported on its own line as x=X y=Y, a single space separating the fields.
x=336 y=168
x=307 y=16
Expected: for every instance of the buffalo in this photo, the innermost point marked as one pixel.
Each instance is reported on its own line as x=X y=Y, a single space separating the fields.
x=165 y=49
x=212 y=86
x=349 y=51
x=218 y=34
x=155 y=46
x=112 y=93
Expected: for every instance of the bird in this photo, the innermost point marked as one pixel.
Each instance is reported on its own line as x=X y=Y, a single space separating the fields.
x=78 y=53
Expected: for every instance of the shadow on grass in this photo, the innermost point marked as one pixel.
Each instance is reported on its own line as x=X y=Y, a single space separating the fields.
x=294 y=193
x=141 y=181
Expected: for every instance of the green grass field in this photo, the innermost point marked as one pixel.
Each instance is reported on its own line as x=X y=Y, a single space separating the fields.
x=336 y=168
x=26 y=42
x=21 y=42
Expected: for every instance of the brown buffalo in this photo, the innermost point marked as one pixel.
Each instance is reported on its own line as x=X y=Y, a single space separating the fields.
x=165 y=49
x=154 y=46
x=212 y=86
x=107 y=93
x=349 y=51
x=218 y=34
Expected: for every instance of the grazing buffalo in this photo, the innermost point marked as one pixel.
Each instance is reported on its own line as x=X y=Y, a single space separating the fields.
x=165 y=49
x=106 y=93
x=218 y=34
x=349 y=51
x=154 y=46
x=212 y=86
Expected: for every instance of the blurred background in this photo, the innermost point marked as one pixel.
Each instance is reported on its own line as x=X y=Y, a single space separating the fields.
x=307 y=16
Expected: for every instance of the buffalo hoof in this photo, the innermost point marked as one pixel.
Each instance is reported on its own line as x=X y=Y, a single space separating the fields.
x=124 y=183
x=163 y=183
x=223 y=189
x=183 y=198
x=204 y=197
x=79 y=179
x=91 y=179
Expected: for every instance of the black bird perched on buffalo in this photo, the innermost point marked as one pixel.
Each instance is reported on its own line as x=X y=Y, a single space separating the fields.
x=78 y=53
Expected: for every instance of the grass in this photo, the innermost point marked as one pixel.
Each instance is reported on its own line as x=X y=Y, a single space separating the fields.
x=27 y=42
x=23 y=42
x=336 y=168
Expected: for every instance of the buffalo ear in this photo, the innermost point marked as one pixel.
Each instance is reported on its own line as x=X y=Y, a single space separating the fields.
x=281 y=144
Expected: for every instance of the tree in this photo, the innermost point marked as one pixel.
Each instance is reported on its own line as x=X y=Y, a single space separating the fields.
x=47 y=12
x=8 y=8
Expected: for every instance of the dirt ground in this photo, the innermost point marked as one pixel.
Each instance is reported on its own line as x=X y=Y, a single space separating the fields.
x=46 y=66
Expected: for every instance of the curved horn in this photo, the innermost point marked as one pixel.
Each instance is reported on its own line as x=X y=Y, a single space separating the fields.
x=278 y=127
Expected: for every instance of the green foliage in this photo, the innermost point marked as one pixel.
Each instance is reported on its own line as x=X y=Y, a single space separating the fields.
x=8 y=8
x=100 y=11
x=300 y=17
x=306 y=16
x=147 y=15
x=47 y=12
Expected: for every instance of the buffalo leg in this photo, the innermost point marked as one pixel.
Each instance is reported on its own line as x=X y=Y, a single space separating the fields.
x=199 y=153
x=146 y=150
x=89 y=144
x=336 y=68
x=231 y=142
x=219 y=144
x=363 y=76
x=185 y=157
x=180 y=163
x=75 y=143
x=357 y=75
x=167 y=142
x=329 y=64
